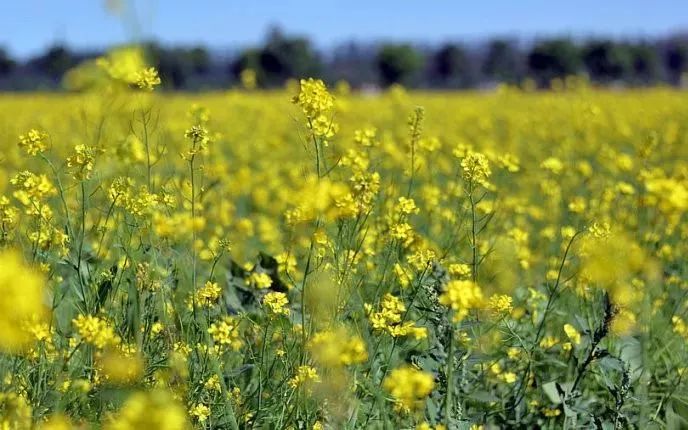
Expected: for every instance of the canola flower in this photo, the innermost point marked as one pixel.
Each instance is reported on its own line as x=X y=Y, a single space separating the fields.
x=21 y=289
x=573 y=334
x=409 y=387
x=147 y=79
x=276 y=303
x=390 y=319
x=249 y=79
x=475 y=168
x=462 y=296
x=305 y=376
x=333 y=348
x=33 y=142
x=313 y=97
x=155 y=409
x=421 y=273
x=225 y=333
x=207 y=295
x=500 y=304
x=96 y=331
x=123 y=366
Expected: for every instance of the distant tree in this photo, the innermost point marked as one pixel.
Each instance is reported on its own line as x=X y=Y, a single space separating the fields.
x=452 y=66
x=398 y=63
x=295 y=54
x=173 y=72
x=606 y=60
x=354 y=63
x=199 y=59
x=677 y=59
x=177 y=66
x=55 y=62
x=280 y=58
x=645 y=64
x=502 y=61
x=7 y=64
x=248 y=59
x=555 y=58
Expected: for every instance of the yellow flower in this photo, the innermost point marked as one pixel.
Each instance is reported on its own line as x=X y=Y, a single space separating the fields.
x=207 y=295
x=402 y=276
x=409 y=387
x=679 y=326
x=276 y=303
x=551 y=412
x=459 y=270
x=333 y=348
x=122 y=64
x=15 y=412
x=82 y=161
x=476 y=169
x=226 y=333
x=199 y=137
x=213 y=384
x=500 y=304
x=548 y=342
x=461 y=296
x=406 y=206
x=201 y=412
x=509 y=377
x=21 y=301
x=553 y=165
x=33 y=142
x=121 y=367
x=147 y=79
x=573 y=334
x=389 y=318
x=96 y=331
x=156 y=409
x=313 y=98
x=260 y=280
x=248 y=79
x=56 y=422
x=305 y=375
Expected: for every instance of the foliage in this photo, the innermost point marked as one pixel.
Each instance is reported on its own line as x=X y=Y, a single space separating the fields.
x=606 y=61
x=398 y=63
x=552 y=59
x=282 y=57
x=453 y=64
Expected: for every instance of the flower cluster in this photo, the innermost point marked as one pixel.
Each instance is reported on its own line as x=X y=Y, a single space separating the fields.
x=333 y=348
x=33 y=142
x=305 y=376
x=96 y=331
x=82 y=161
x=276 y=303
x=461 y=297
x=475 y=169
x=155 y=409
x=226 y=333
x=409 y=387
x=21 y=300
x=390 y=319
x=313 y=98
x=206 y=296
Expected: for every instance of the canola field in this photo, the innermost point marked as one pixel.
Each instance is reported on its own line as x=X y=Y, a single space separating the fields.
x=315 y=258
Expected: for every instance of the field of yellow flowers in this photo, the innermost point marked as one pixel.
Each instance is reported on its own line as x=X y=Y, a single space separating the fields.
x=317 y=259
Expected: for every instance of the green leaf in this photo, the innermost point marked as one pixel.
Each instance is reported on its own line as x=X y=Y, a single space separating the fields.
x=550 y=389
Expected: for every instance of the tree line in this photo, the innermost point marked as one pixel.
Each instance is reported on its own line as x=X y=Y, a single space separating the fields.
x=455 y=65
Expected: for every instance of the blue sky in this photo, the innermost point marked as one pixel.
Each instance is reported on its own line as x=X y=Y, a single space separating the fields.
x=27 y=26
